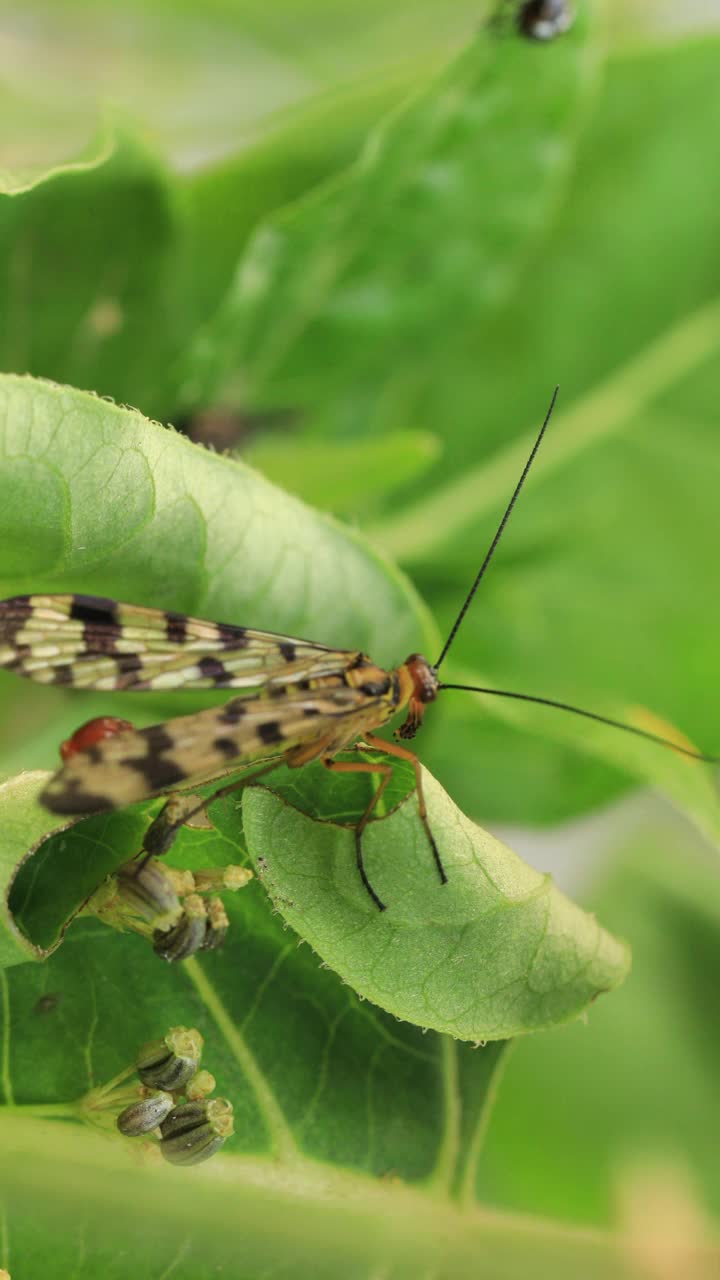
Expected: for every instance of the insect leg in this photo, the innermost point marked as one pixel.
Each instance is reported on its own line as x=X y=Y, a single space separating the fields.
x=351 y=766
x=402 y=753
x=175 y=814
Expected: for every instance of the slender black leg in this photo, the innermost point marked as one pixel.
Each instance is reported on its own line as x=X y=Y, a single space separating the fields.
x=179 y=809
x=361 y=766
x=402 y=753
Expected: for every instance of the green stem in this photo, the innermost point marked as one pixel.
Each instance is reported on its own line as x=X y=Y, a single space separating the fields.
x=467 y=1182
x=442 y=1176
x=278 y=1128
x=104 y=1089
x=592 y=419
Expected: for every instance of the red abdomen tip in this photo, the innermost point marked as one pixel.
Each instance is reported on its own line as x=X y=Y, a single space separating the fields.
x=89 y=734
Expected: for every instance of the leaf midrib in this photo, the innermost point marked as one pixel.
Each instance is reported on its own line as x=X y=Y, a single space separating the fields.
x=283 y=1143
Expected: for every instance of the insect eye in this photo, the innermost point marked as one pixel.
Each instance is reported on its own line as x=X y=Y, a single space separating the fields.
x=429 y=689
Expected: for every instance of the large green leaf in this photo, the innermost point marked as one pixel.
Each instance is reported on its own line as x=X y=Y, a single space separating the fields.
x=89 y=266
x=603 y=590
x=344 y=299
x=311 y=1114
x=23 y=167
x=348 y=475
x=494 y=953
x=337 y=1103
x=340 y=1109
x=108 y=269
x=692 y=785
x=168 y=542
x=210 y=77
x=109 y=263
x=96 y=498
x=117 y=270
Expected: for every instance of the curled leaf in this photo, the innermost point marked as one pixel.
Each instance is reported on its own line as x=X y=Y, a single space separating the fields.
x=495 y=952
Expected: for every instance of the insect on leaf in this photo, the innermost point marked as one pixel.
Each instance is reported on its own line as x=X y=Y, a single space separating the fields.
x=498 y=951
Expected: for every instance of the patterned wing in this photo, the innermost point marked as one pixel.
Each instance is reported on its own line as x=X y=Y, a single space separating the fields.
x=88 y=642
x=134 y=764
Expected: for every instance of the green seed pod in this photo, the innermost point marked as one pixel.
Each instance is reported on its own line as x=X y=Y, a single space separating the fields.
x=231 y=877
x=200 y=1086
x=217 y=925
x=195 y=1131
x=145 y=888
x=187 y=936
x=169 y=1063
x=145 y=1115
x=183 y=881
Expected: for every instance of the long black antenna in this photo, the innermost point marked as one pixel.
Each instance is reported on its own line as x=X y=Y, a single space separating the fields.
x=589 y=715
x=498 y=535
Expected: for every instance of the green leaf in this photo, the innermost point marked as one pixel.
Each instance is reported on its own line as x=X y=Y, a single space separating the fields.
x=692 y=785
x=322 y=1115
x=636 y=1088
x=25 y=824
x=95 y=498
x=542 y=961
x=258 y=108
x=340 y=1109
x=250 y=1219
x=620 y=514
x=156 y=253
x=207 y=77
x=51 y=153
x=138 y=471
x=346 y=475
x=348 y=283
x=496 y=952
x=51 y=867
x=91 y=291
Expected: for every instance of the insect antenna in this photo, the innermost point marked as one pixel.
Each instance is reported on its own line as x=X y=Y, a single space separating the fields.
x=589 y=715
x=498 y=535
x=528 y=697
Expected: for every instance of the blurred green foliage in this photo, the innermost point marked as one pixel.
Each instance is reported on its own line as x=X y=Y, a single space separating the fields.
x=378 y=233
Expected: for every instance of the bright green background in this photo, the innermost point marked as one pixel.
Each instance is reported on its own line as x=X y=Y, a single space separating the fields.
x=392 y=235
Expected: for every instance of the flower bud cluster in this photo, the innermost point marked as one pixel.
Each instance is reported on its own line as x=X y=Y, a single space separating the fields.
x=178 y=911
x=174 y=1103
x=201 y=927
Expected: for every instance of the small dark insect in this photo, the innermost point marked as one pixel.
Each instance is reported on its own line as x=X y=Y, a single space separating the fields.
x=297 y=701
x=544 y=19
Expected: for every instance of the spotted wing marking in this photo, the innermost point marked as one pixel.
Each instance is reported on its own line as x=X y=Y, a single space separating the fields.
x=89 y=642
x=134 y=764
